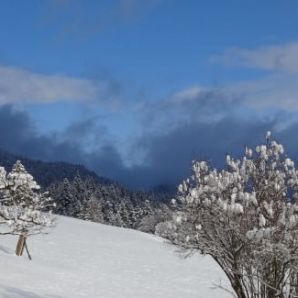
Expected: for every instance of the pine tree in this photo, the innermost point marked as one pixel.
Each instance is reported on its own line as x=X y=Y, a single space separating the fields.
x=68 y=203
x=92 y=210
x=25 y=209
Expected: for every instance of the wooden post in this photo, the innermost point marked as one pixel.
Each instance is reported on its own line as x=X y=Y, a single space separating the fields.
x=20 y=245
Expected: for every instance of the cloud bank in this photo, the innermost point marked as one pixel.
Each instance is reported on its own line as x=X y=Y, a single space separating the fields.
x=167 y=154
x=19 y=85
x=198 y=122
x=281 y=58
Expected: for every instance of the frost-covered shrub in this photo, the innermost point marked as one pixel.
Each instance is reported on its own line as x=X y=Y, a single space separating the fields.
x=246 y=218
x=158 y=214
x=165 y=229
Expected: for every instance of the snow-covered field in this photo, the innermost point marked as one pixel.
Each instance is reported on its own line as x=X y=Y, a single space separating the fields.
x=83 y=259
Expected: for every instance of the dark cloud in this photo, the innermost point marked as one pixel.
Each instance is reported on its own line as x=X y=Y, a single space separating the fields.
x=189 y=105
x=18 y=135
x=87 y=132
x=167 y=153
x=13 y=128
x=168 y=156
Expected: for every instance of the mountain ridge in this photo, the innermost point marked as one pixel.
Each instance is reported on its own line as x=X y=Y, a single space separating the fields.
x=47 y=173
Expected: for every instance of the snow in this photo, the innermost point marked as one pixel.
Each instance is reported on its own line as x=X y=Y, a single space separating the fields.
x=268 y=134
x=84 y=259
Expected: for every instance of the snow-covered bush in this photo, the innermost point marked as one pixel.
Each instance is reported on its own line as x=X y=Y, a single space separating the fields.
x=159 y=213
x=165 y=229
x=24 y=210
x=246 y=218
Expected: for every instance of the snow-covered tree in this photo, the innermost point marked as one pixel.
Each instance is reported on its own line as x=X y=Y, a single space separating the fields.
x=70 y=196
x=25 y=210
x=64 y=194
x=246 y=218
x=4 y=201
x=92 y=210
x=153 y=215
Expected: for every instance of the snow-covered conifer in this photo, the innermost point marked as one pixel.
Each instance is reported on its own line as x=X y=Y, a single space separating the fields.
x=92 y=210
x=24 y=208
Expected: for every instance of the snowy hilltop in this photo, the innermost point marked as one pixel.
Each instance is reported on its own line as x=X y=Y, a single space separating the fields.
x=84 y=259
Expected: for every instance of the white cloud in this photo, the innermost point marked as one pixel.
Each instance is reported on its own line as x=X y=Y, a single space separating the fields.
x=276 y=92
x=273 y=58
x=279 y=92
x=18 y=85
x=188 y=94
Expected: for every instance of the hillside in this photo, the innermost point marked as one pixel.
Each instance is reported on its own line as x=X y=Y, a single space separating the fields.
x=47 y=173
x=83 y=259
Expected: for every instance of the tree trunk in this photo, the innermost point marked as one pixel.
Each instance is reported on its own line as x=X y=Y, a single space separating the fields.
x=20 y=245
x=236 y=285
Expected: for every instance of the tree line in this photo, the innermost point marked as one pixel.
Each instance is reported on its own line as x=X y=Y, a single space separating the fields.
x=108 y=203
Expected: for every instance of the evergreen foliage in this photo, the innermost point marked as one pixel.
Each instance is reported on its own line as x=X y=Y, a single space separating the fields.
x=23 y=208
x=106 y=203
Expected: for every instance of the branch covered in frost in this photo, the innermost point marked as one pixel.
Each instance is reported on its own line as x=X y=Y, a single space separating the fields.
x=246 y=217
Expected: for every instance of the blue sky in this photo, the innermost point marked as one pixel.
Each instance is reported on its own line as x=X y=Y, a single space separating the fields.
x=120 y=83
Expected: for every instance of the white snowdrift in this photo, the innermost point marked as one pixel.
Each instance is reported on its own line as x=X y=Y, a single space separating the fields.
x=83 y=259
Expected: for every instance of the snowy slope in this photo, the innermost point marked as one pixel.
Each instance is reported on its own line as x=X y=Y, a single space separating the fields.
x=83 y=259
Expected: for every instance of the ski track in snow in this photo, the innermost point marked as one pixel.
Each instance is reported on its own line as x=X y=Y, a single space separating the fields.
x=83 y=259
